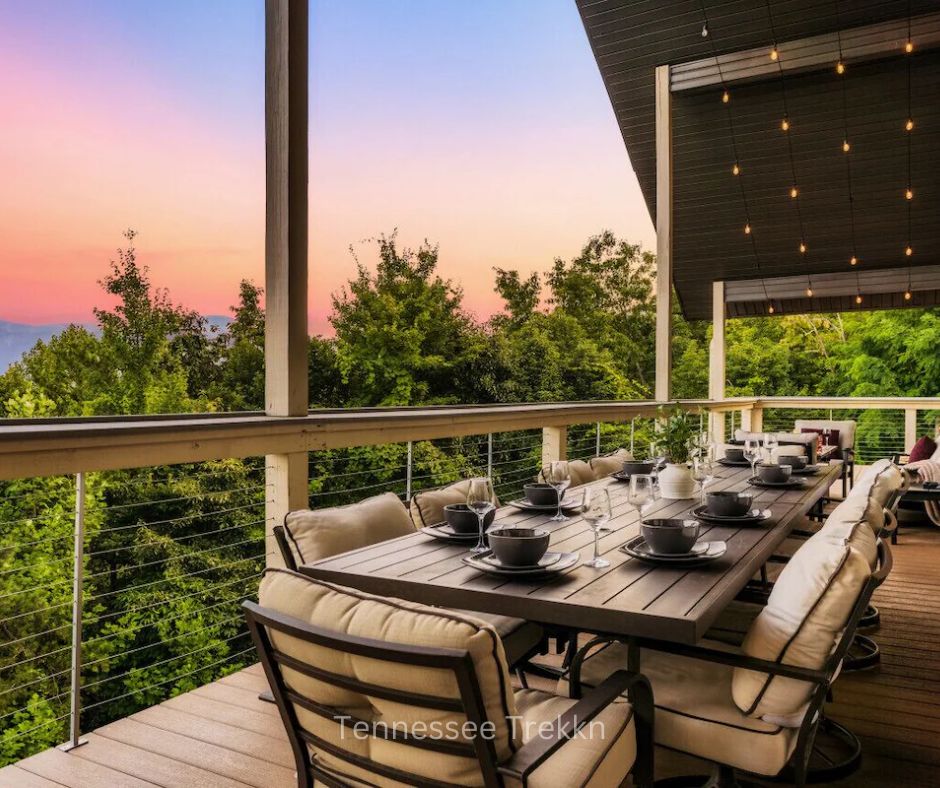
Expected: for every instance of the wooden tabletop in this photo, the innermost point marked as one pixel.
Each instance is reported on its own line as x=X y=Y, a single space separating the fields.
x=629 y=597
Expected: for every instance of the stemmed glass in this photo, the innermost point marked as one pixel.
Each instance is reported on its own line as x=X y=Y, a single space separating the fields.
x=703 y=472
x=480 y=500
x=770 y=443
x=559 y=477
x=595 y=508
x=752 y=454
x=642 y=492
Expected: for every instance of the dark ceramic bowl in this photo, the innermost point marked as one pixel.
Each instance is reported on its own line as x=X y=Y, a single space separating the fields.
x=670 y=537
x=726 y=503
x=633 y=468
x=734 y=455
x=795 y=461
x=773 y=473
x=464 y=520
x=541 y=494
x=519 y=546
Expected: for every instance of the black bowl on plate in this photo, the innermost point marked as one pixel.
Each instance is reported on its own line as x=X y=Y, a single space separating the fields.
x=541 y=494
x=795 y=461
x=773 y=473
x=519 y=546
x=726 y=503
x=670 y=536
x=464 y=520
x=734 y=455
x=635 y=467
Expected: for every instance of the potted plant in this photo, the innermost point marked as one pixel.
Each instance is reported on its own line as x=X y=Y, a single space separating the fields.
x=676 y=439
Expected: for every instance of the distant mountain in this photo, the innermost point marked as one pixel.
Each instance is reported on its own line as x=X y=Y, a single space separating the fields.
x=17 y=338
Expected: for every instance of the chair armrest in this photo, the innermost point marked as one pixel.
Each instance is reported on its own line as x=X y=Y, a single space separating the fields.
x=288 y=556
x=536 y=751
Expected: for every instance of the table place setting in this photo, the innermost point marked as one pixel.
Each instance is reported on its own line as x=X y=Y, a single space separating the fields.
x=673 y=541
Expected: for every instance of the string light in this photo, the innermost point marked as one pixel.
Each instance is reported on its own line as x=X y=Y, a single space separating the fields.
x=909 y=126
x=858 y=298
x=909 y=46
x=809 y=292
x=853 y=260
x=909 y=251
x=747 y=229
x=802 y=247
x=785 y=123
x=907 y=295
x=770 y=309
x=840 y=67
x=793 y=193
x=735 y=170
x=774 y=53
x=725 y=97
x=909 y=194
x=845 y=146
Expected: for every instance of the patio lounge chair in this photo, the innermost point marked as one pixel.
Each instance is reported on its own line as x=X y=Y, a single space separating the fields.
x=845 y=430
x=376 y=691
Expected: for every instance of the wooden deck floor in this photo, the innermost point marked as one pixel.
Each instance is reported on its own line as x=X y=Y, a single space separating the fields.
x=222 y=735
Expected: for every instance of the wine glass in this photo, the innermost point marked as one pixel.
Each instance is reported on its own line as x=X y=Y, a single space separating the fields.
x=559 y=477
x=770 y=443
x=642 y=492
x=480 y=500
x=752 y=454
x=703 y=473
x=595 y=508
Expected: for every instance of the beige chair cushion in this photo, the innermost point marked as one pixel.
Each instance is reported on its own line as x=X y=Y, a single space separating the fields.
x=600 y=759
x=846 y=429
x=427 y=508
x=789 y=443
x=800 y=625
x=393 y=621
x=849 y=523
x=610 y=463
x=879 y=481
x=694 y=710
x=788 y=451
x=580 y=471
x=315 y=534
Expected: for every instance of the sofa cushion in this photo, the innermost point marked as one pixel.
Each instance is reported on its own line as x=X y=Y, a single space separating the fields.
x=610 y=463
x=879 y=481
x=842 y=431
x=580 y=471
x=314 y=534
x=800 y=625
x=600 y=758
x=923 y=450
x=694 y=710
x=427 y=507
x=850 y=523
x=392 y=621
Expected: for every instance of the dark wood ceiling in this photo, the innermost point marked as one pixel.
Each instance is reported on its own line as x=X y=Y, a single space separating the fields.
x=631 y=37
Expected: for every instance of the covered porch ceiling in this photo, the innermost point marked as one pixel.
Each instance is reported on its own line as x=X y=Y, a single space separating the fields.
x=848 y=204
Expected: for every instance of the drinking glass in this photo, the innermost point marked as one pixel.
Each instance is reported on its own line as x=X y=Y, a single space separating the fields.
x=770 y=443
x=642 y=492
x=752 y=454
x=595 y=508
x=480 y=500
x=703 y=473
x=559 y=477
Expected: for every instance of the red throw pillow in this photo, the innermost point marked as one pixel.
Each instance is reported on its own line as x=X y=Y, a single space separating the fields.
x=832 y=439
x=923 y=449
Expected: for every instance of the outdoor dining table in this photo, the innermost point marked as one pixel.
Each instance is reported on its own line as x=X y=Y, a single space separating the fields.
x=630 y=598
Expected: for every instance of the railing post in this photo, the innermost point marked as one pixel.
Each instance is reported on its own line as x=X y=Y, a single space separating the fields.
x=409 y=469
x=597 y=439
x=489 y=455
x=75 y=727
x=910 y=428
x=554 y=444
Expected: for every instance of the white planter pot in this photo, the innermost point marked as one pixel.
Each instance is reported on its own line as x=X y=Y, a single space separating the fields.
x=675 y=481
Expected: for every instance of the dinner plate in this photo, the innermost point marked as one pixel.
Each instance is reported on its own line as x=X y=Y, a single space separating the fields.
x=754 y=517
x=794 y=484
x=638 y=548
x=809 y=470
x=527 y=505
x=623 y=476
x=446 y=533
x=733 y=463
x=566 y=561
x=549 y=559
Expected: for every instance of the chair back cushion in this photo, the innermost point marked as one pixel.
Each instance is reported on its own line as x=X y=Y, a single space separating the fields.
x=580 y=471
x=314 y=534
x=427 y=508
x=846 y=429
x=794 y=442
x=853 y=522
x=804 y=617
x=607 y=464
x=879 y=482
x=347 y=611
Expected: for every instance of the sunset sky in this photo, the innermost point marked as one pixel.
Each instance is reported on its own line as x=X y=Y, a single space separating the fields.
x=481 y=126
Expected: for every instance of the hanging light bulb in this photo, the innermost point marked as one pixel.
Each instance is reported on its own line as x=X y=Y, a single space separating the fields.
x=853 y=260
x=858 y=299
x=802 y=247
x=705 y=30
x=774 y=53
x=909 y=46
x=845 y=146
x=747 y=229
x=735 y=170
x=907 y=295
x=725 y=97
x=793 y=192
x=909 y=126
x=809 y=292
x=908 y=251
x=770 y=309
x=909 y=194
x=840 y=67
x=785 y=123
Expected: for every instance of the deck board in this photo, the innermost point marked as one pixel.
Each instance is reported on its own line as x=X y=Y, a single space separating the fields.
x=222 y=735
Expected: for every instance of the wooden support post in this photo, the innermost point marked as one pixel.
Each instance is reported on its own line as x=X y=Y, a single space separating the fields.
x=757 y=419
x=554 y=444
x=910 y=428
x=285 y=331
x=716 y=361
x=663 y=234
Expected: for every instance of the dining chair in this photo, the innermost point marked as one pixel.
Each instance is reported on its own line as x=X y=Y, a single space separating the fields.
x=310 y=535
x=605 y=464
x=427 y=506
x=758 y=708
x=379 y=691
x=581 y=473
x=843 y=430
